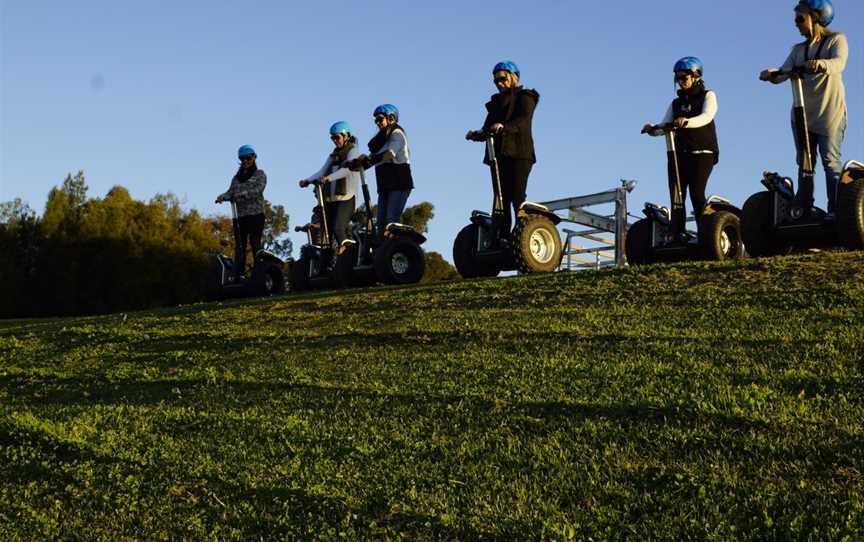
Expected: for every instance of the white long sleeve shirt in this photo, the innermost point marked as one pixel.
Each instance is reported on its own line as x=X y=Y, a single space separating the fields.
x=824 y=93
x=709 y=111
x=353 y=177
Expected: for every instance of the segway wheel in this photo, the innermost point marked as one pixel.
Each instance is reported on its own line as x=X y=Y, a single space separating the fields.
x=268 y=279
x=850 y=214
x=463 y=256
x=637 y=244
x=721 y=236
x=300 y=274
x=536 y=245
x=756 y=227
x=400 y=261
x=343 y=271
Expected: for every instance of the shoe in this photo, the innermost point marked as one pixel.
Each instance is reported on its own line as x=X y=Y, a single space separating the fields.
x=830 y=217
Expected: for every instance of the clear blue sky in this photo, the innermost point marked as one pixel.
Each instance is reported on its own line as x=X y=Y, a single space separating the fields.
x=158 y=95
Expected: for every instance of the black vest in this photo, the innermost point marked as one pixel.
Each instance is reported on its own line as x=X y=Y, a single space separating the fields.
x=390 y=176
x=689 y=105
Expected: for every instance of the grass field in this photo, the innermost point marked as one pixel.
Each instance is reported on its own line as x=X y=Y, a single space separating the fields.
x=702 y=402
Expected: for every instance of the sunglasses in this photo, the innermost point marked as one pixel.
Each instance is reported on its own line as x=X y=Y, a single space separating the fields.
x=247 y=158
x=498 y=80
x=379 y=119
x=683 y=76
x=799 y=19
x=336 y=137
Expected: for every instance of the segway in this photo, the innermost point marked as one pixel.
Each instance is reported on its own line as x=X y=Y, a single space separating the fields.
x=652 y=239
x=224 y=280
x=313 y=269
x=484 y=249
x=396 y=259
x=779 y=220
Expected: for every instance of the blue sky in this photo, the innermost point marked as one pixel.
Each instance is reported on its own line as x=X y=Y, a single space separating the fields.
x=157 y=96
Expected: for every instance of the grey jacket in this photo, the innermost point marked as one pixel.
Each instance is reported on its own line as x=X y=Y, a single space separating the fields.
x=248 y=196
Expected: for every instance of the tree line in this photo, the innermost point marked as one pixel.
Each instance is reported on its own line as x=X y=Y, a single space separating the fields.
x=87 y=255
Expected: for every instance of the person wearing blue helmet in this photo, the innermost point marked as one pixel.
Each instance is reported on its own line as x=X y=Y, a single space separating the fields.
x=823 y=54
x=692 y=114
x=247 y=193
x=340 y=192
x=509 y=119
x=388 y=152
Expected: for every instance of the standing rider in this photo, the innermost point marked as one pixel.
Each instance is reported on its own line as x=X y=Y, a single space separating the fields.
x=340 y=183
x=823 y=56
x=692 y=115
x=388 y=152
x=509 y=117
x=247 y=193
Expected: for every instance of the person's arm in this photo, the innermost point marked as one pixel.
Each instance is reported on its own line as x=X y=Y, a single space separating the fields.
x=709 y=111
x=395 y=143
x=228 y=194
x=839 y=53
x=344 y=172
x=321 y=172
x=667 y=118
x=522 y=118
x=252 y=188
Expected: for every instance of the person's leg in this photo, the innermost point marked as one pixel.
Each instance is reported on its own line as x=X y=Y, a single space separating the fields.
x=341 y=218
x=381 y=212
x=396 y=205
x=829 y=150
x=804 y=194
x=677 y=193
x=256 y=232
x=240 y=246
x=703 y=165
x=507 y=174
x=521 y=171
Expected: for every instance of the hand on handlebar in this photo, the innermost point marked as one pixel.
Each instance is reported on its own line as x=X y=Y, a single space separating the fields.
x=304 y=183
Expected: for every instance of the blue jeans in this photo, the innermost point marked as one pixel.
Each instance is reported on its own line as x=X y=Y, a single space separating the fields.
x=391 y=203
x=828 y=148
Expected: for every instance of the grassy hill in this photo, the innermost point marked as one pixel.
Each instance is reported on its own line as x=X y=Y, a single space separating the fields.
x=705 y=402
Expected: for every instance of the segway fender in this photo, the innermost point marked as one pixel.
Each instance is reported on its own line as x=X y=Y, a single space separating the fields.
x=394 y=229
x=718 y=203
x=267 y=256
x=344 y=246
x=531 y=208
x=853 y=171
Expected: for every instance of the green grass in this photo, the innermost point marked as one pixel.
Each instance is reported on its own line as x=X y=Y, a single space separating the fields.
x=703 y=402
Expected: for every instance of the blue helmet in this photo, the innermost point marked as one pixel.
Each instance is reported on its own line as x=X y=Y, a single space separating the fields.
x=822 y=10
x=387 y=109
x=340 y=127
x=245 y=150
x=689 y=64
x=506 y=66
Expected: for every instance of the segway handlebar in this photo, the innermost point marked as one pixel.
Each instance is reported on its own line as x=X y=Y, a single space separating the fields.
x=666 y=127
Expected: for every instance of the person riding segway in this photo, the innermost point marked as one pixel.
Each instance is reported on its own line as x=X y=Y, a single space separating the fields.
x=692 y=152
x=246 y=195
x=780 y=219
x=487 y=246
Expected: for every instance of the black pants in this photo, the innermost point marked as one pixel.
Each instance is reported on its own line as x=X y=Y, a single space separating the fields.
x=338 y=218
x=514 y=181
x=251 y=229
x=694 y=170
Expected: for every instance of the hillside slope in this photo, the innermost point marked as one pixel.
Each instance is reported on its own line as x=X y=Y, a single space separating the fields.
x=693 y=401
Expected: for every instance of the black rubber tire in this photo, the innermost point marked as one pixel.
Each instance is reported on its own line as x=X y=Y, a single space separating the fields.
x=539 y=233
x=720 y=238
x=850 y=214
x=300 y=274
x=637 y=244
x=268 y=279
x=400 y=261
x=756 y=228
x=343 y=270
x=463 y=256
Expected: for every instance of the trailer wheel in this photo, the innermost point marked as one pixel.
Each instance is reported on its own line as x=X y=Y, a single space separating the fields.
x=637 y=244
x=400 y=261
x=721 y=236
x=463 y=256
x=757 y=231
x=850 y=214
x=536 y=245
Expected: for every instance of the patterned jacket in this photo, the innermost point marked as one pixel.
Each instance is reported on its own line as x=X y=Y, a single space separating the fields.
x=249 y=195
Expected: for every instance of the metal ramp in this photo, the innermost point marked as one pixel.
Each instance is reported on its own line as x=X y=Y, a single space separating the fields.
x=602 y=245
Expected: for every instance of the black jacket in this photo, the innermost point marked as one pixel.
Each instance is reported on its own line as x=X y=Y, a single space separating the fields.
x=515 y=110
